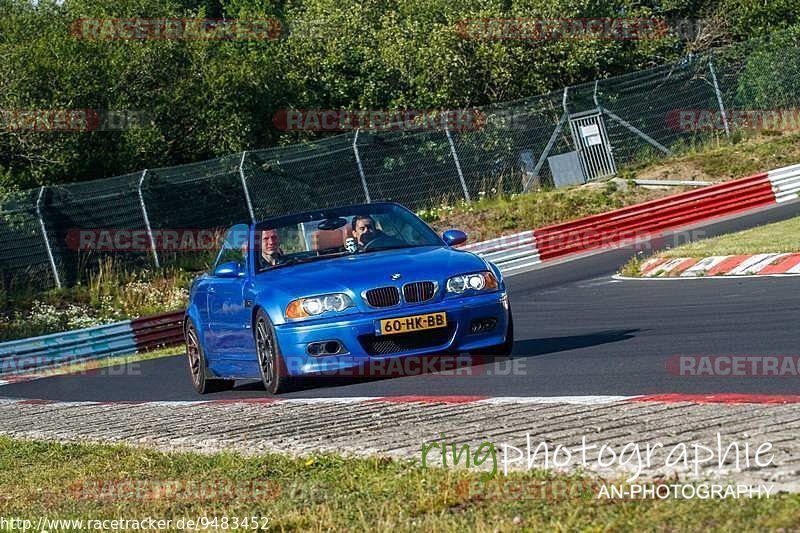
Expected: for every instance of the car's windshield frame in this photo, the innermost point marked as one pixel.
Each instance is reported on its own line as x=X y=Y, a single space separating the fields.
x=371 y=209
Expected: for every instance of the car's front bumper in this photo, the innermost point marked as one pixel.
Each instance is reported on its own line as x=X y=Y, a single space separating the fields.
x=294 y=338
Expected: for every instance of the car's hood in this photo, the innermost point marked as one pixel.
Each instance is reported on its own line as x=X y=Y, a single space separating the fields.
x=364 y=271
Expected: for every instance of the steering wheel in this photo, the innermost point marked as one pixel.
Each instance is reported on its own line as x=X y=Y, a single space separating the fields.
x=367 y=247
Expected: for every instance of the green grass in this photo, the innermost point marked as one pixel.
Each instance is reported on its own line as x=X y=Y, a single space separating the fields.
x=778 y=237
x=754 y=154
x=326 y=492
x=720 y=158
x=770 y=238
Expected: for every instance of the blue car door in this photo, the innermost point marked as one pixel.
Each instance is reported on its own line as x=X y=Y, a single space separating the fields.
x=229 y=315
x=230 y=323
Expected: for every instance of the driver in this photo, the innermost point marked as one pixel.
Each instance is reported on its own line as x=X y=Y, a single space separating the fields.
x=271 y=253
x=365 y=232
x=363 y=228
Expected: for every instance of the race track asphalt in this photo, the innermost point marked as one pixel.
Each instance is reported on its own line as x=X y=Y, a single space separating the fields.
x=579 y=332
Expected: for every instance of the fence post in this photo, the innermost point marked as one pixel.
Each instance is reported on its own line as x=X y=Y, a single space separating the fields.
x=46 y=239
x=458 y=164
x=719 y=97
x=246 y=191
x=360 y=167
x=147 y=220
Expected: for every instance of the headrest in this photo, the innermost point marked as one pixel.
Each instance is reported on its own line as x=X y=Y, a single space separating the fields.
x=333 y=238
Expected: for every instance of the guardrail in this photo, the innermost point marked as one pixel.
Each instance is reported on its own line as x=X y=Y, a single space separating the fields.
x=97 y=342
x=655 y=216
x=785 y=183
x=165 y=329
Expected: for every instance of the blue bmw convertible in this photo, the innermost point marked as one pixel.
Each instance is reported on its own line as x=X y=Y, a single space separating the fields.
x=320 y=292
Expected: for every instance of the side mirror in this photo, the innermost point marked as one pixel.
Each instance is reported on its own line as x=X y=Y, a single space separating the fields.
x=231 y=269
x=454 y=236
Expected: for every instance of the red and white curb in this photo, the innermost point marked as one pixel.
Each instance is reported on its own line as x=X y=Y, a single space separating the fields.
x=775 y=264
x=666 y=398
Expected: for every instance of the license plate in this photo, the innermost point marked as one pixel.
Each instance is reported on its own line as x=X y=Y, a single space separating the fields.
x=405 y=324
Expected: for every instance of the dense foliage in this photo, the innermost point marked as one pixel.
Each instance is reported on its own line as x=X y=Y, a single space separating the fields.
x=204 y=99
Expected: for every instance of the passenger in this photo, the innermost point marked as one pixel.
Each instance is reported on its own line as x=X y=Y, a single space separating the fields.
x=271 y=253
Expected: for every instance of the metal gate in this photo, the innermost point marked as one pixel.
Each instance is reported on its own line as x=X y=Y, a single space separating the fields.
x=591 y=143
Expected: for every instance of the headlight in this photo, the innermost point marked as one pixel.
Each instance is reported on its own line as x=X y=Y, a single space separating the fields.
x=479 y=281
x=316 y=305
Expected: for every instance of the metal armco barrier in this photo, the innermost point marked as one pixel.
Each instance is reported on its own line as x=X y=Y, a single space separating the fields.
x=785 y=183
x=165 y=329
x=653 y=217
x=26 y=355
x=510 y=252
x=98 y=342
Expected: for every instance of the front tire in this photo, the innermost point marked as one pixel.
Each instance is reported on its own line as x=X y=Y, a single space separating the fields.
x=198 y=366
x=274 y=374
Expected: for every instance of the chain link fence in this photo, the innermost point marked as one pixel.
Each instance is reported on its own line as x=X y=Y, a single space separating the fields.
x=57 y=235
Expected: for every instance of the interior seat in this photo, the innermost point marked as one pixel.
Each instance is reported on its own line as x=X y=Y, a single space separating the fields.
x=332 y=238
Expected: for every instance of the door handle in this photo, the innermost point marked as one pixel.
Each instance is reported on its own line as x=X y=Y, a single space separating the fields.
x=212 y=290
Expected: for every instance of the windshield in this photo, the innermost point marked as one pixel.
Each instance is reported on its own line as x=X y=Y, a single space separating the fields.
x=331 y=233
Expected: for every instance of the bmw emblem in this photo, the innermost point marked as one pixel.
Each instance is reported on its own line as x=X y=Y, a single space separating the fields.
x=396 y=276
